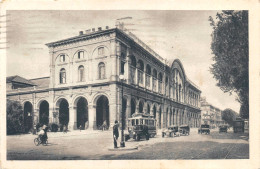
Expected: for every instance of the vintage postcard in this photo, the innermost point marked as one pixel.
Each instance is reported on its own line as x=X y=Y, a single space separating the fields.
x=111 y=84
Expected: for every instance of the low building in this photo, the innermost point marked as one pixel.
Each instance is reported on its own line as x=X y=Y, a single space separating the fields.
x=84 y=88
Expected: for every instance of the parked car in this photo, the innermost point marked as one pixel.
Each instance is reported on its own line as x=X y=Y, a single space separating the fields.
x=171 y=132
x=223 y=128
x=184 y=130
x=204 y=128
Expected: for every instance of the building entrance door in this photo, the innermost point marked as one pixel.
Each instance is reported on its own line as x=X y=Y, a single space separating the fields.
x=102 y=112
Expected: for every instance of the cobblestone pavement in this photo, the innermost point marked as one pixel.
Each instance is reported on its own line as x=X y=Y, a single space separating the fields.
x=95 y=145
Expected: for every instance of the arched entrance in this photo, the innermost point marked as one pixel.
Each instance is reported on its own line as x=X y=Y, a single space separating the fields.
x=44 y=113
x=132 y=106
x=102 y=111
x=82 y=113
x=63 y=112
x=27 y=112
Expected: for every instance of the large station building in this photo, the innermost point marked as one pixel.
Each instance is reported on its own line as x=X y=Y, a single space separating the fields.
x=84 y=87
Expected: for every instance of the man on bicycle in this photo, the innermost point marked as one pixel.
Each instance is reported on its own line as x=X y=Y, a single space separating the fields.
x=43 y=134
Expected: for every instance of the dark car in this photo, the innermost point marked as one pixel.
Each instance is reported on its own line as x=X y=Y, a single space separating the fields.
x=140 y=131
x=184 y=130
x=171 y=131
x=223 y=128
x=204 y=128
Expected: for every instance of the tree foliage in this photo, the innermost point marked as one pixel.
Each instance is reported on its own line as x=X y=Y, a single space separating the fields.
x=14 y=117
x=229 y=116
x=230 y=48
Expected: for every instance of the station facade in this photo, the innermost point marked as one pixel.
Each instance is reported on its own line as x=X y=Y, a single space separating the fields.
x=84 y=88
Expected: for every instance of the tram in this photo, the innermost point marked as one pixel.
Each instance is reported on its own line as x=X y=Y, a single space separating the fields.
x=141 y=125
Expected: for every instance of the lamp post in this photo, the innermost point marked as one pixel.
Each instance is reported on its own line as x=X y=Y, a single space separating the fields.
x=122 y=143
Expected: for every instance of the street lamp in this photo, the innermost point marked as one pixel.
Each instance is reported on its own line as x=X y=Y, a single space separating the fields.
x=122 y=143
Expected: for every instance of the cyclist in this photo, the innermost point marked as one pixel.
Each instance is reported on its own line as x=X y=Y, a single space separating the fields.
x=43 y=134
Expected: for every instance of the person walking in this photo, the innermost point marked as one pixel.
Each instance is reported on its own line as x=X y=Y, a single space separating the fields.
x=104 y=126
x=115 y=133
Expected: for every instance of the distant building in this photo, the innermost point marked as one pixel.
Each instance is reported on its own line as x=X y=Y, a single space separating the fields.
x=84 y=88
x=210 y=114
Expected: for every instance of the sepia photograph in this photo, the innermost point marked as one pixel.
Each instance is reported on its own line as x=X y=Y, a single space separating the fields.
x=127 y=85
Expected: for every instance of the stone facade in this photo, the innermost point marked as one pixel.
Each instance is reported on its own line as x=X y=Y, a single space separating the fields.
x=85 y=90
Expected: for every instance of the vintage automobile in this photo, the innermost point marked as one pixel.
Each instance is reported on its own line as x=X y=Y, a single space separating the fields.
x=238 y=125
x=204 y=128
x=141 y=125
x=171 y=132
x=184 y=130
x=223 y=128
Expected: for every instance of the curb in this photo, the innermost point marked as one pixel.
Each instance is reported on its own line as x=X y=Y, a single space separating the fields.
x=123 y=148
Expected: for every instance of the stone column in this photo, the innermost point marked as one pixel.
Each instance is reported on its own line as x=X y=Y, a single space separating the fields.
x=72 y=118
x=91 y=116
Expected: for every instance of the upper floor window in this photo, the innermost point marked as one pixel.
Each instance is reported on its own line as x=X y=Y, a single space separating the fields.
x=62 y=58
x=62 y=76
x=81 y=73
x=122 y=71
x=123 y=50
x=80 y=55
x=101 y=71
x=101 y=51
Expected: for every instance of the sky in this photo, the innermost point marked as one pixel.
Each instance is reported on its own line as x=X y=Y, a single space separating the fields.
x=185 y=35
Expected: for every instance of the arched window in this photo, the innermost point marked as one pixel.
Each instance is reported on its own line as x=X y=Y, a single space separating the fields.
x=101 y=71
x=62 y=76
x=81 y=73
x=155 y=73
x=101 y=51
x=133 y=61
x=140 y=67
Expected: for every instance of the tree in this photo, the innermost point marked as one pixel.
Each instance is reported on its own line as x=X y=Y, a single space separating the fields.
x=15 y=117
x=229 y=115
x=230 y=48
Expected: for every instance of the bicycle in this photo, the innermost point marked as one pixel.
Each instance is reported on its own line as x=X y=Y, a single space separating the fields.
x=38 y=141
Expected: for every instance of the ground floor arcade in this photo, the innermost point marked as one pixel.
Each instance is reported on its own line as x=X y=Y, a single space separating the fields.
x=90 y=108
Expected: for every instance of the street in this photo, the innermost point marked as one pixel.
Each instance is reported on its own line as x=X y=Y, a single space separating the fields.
x=95 y=145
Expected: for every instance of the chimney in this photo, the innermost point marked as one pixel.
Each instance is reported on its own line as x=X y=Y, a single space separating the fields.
x=107 y=27
x=88 y=31
x=99 y=29
x=93 y=29
x=80 y=32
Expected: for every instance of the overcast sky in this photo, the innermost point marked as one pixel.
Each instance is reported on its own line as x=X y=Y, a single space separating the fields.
x=172 y=34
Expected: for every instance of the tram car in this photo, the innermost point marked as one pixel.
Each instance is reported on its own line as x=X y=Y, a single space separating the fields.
x=140 y=125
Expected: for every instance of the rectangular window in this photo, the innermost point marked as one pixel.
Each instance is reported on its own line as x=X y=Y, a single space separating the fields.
x=122 y=67
x=80 y=55
x=101 y=51
x=62 y=58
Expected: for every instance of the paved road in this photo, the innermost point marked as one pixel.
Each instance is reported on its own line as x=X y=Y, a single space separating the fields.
x=95 y=145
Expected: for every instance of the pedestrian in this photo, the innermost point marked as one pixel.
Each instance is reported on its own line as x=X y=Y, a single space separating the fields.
x=115 y=133
x=104 y=126
x=80 y=128
x=64 y=129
